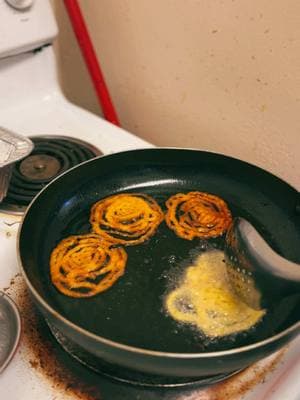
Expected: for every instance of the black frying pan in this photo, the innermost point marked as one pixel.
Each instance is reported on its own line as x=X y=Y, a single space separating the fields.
x=127 y=325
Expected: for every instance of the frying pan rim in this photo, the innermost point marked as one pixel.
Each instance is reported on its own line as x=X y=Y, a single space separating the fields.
x=121 y=346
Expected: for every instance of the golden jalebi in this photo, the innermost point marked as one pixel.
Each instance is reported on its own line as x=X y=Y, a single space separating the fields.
x=205 y=298
x=85 y=265
x=126 y=218
x=197 y=214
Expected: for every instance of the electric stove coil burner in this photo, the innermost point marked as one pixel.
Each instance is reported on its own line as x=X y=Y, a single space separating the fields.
x=51 y=156
x=128 y=376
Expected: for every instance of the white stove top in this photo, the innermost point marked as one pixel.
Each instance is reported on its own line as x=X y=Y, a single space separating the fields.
x=274 y=378
x=38 y=108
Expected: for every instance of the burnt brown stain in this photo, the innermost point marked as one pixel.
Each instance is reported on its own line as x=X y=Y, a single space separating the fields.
x=41 y=353
x=45 y=356
x=237 y=387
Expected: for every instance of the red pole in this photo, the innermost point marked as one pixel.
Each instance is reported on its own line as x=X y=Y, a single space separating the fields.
x=91 y=61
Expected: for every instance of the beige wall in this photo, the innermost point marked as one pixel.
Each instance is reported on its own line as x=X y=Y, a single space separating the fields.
x=219 y=75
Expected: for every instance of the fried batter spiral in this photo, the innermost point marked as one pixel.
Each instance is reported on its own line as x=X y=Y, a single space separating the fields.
x=85 y=265
x=127 y=219
x=197 y=214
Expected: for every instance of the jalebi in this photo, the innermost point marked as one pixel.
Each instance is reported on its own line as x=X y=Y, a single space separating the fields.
x=206 y=299
x=126 y=218
x=85 y=265
x=197 y=215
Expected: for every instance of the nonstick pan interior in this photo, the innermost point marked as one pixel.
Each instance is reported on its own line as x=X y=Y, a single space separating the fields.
x=132 y=311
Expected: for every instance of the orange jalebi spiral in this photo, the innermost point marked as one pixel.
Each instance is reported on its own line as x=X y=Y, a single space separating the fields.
x=85 y=265
x=197 y=215
x=127 y=219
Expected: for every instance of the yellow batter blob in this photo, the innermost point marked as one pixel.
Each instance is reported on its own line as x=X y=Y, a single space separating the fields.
x=206 y=299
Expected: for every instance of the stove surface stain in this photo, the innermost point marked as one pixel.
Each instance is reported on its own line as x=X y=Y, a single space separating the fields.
x=68 y=376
